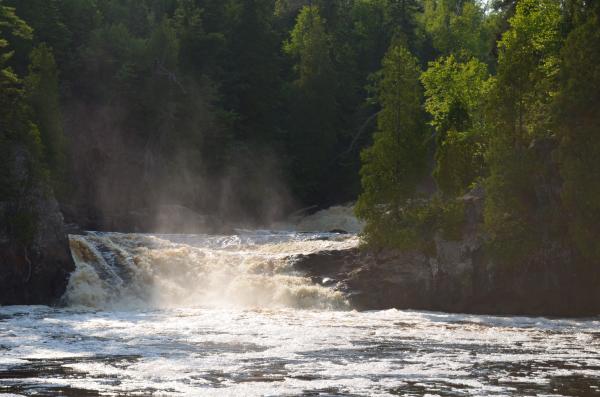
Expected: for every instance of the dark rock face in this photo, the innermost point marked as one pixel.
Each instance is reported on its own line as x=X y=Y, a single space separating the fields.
x=411 y=280
x=460 y=278
x=36 y=270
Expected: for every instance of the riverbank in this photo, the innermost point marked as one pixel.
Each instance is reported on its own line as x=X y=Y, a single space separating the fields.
x=460 y=276
x=35 y=261
x=455 y=276
x=410 y=280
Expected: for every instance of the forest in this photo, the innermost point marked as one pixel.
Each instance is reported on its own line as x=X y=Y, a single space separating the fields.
x=251 y=109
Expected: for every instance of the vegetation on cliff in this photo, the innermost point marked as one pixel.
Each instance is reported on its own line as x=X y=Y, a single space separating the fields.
x=519 y=124
x=18 y=133
x=34 y=254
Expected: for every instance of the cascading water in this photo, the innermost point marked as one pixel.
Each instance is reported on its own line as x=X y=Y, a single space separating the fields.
x=250 y=269
x=200 y=315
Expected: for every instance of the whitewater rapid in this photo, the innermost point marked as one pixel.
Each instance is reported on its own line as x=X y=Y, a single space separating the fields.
x=251 y=269
x=201 y=315
x=288 y=352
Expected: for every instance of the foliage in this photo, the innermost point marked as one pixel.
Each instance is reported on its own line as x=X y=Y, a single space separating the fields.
x=393 y=166
x=455 y=97
x=313 y=137
x=458 y=26
x=578 y=126
x=42 y=87
x=18 y=135
x=521 y=115
x=152 y=90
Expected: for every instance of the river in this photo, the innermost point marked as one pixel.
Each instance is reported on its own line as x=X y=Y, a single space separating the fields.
x=228 y=315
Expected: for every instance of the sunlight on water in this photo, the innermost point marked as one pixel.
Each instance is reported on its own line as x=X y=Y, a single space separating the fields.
x=189 y=315
x=292 y=352
x=251 y=269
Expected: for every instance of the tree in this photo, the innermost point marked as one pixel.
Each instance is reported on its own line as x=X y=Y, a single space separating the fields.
x=579 y=130
x=15 y=126
x=395 y=164
x=43 y=96
x=376 y=23
x=253 y=85
x=314 y=109
x=456 y=93
x=46 y=20
x=21 y=168
x=520 y=117
x=457 y=26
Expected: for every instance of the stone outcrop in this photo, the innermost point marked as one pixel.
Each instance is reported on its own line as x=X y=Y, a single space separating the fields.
x=459 y=277
x=35 y=264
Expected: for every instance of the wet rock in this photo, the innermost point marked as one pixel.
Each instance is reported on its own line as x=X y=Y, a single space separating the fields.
x=338 y=231
x=411 y=280
x=373 y=280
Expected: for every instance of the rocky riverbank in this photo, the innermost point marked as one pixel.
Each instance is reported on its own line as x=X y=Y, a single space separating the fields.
x=35 y=260
x=463 y=284
x=460 y=277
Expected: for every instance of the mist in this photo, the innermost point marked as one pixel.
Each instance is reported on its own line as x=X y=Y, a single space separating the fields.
x=123 y=181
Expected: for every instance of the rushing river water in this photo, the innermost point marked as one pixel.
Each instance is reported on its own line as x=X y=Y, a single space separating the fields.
x=229 y=315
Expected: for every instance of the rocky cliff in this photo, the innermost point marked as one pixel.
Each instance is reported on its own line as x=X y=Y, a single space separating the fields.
x=460 y=277
x=35 y=260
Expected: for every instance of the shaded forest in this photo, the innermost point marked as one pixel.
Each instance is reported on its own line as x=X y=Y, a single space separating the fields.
x=251 y=109
x=242 y=109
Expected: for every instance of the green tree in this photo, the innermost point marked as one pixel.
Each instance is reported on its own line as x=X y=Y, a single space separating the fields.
x=253 y=84
x=376 y=23
x=457 y=26
x=395 y=164
x=202 y=48
x=20 y=144
x=15 y=126
x=455 y=97
x=42 y=87
x=314 y=109
x=578 y=131
x=520 y=117
x=46 y=20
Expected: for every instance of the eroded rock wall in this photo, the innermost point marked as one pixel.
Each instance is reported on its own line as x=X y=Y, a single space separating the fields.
x=460 y=277
x=35 y=262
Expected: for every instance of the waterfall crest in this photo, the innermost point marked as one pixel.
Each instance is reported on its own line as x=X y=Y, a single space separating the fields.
x=249 y=269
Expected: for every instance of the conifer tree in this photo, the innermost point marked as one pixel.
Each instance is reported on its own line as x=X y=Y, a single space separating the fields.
x=42 y=87
x=314 y=109
x=395 y=164
x=521 y=116
x=577 y=107
x=456 y=93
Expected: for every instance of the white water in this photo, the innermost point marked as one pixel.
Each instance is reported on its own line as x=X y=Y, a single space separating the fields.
x=247 y=270
x=188 y=315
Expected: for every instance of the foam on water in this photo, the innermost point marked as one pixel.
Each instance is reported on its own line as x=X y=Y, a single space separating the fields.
x=249 y=269
x=195 y=315
x=211 y=351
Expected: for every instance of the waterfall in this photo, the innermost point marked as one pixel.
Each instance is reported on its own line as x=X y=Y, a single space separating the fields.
x=252 y=269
